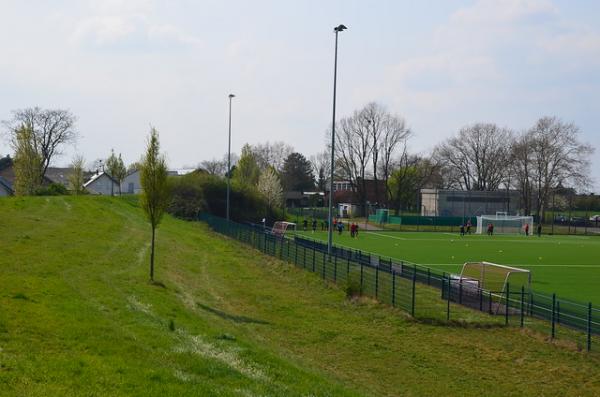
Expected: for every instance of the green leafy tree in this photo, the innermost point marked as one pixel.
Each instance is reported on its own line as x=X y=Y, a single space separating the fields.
x=156 y=194
x=247 y=171
x=27 y=162
x=297 y=174
x=76 y=178
x=116 y=169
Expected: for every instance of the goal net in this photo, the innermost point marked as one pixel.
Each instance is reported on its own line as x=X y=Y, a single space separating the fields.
x=504 y=224
x=280 y=228
x=493 y=277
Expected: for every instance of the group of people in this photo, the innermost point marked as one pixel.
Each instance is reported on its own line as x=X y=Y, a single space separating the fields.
x=466 y=229
x=337 y=225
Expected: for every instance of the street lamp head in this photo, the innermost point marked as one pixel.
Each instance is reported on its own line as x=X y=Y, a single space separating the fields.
x=231 y=95
x=339 y=28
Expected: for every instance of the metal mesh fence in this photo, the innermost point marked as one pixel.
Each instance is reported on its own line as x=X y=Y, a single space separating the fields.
x=412 y=287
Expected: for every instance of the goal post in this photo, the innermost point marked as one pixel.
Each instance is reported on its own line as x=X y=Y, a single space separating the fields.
x=501 y=284
x=280 y=228
x=494 y=277
x=505 y=224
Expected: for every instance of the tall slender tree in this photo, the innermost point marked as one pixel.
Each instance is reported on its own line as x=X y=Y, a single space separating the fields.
x=156 y=194
x=247 y=170
x=76 y=176
x=27 y=162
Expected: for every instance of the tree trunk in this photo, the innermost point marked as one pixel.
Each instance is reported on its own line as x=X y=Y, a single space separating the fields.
x=152 y=255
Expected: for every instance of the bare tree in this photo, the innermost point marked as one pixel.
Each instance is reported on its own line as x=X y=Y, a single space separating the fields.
x=214 y=166
x=52 y=129
x=354 y=152
x=477 y=157
x=374 y=115
x=272 y=154
x=394 y=137
x=521 y=169
x=321 y=163
x=558 y=158
x=410 y=174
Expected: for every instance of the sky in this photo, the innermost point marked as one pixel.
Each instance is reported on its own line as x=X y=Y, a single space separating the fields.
x=122 y=66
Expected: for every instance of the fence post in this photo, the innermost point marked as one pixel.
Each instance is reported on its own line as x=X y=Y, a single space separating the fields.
x=393 y=288
x=324 y=262
x=281 y=249
x=448 y=300
x=361 y=277
x=589 y=327
x=304 y=257
x=414 y=282
x=490 y=301
x=314 y=257
x=507 y=303
x=295 y=253
x=522 y=304
x=553 y=315
x=335 y=268
x=377 y=282
x=480 y=299
x=348 y=267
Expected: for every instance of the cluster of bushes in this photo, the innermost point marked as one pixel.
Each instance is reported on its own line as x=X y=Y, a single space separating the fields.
x=53 y=189
x=200 y=192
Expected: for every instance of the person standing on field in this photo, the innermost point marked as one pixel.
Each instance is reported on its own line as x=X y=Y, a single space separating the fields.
x=314 y=225
x=539 y=230
x=527 y=229
x=468 y=226
x=490 y=229
x=462 y=229
x=305 y=224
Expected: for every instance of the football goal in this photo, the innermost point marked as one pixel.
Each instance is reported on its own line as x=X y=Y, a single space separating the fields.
x=280 y=228
x=493 y=277
x=504 y=224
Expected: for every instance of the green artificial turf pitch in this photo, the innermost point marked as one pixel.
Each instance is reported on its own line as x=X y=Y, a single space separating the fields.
x=566 y=265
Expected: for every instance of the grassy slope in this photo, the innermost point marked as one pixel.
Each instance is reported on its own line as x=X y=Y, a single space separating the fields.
x=567 y=265
x=78 y=317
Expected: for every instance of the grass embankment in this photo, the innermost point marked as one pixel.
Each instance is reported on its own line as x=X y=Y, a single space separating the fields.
x=78 y=317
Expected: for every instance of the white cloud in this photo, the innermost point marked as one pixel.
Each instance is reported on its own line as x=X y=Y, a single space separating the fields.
x=127 y=22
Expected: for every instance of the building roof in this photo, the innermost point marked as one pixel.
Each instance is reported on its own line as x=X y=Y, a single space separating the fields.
x=98 y=176
x=7 y=185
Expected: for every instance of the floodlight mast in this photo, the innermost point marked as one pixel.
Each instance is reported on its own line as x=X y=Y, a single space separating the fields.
x=231 y=96
x=337 y=29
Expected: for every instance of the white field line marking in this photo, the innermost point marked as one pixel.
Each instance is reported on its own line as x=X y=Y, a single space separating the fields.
x=458 y=238
x=386 y=235
x=521 y=265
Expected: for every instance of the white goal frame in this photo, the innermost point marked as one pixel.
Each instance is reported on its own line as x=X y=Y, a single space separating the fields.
x=481 y=280
x=505 y=224
x=280 y=228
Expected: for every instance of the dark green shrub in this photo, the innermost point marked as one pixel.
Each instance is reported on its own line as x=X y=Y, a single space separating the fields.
x=53 y=189
x=352 y=288
x=201 y=192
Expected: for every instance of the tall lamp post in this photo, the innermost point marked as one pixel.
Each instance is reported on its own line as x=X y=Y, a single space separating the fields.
x=337 y=29
x=231 y=96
